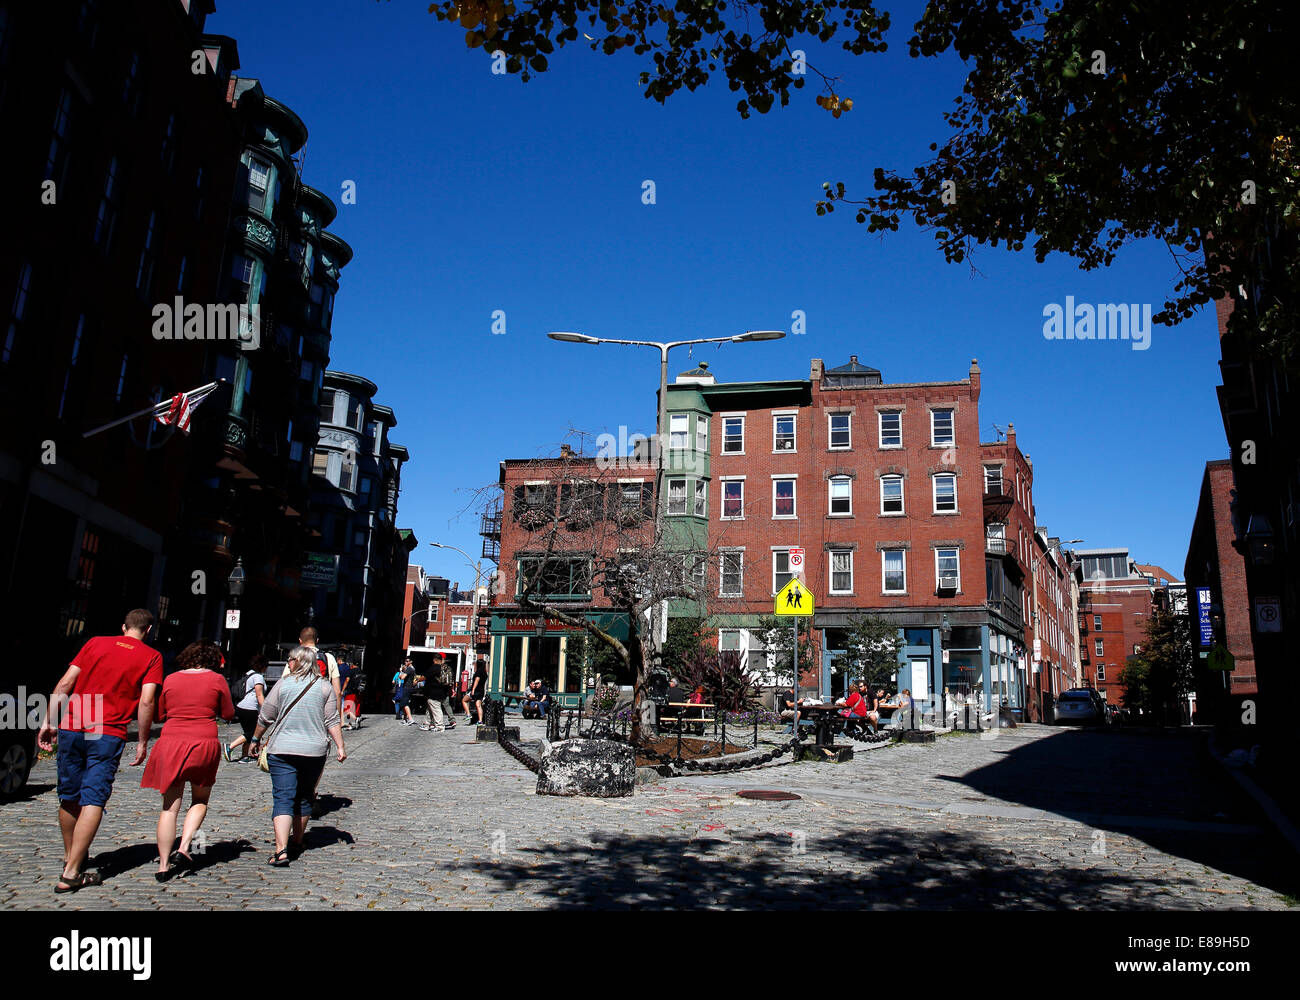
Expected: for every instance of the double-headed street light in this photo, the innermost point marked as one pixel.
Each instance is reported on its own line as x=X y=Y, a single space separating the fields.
x=660 y=432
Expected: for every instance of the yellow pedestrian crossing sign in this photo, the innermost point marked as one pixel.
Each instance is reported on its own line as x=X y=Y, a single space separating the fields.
x=794 y=599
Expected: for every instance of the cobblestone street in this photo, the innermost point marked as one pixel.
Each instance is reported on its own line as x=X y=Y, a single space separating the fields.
x=1035 y=818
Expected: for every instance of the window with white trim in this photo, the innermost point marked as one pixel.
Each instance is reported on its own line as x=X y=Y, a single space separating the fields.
x=941 y=427
x=729 y=640
x=733 y=435
x=1101 y=671
x=841 y=571
x=731 y=569
x=839 y=433
x=677 y=496
x=947 y=569
x=891 y=494
x=945 y=493
x=733 y=499
x=891 y=428
x=701 y=498
x=783 y=432
x=1099 y=645
x=1096 y=623
x=783 y=497
x=781 y=574
x=841 y=495
x=701 y=434
x=893 y=571
x=993 y=480
x=678 y=424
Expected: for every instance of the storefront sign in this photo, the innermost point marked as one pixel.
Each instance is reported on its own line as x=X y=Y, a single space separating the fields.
x=1203 y=611
x=320 y=569
x=520 y=624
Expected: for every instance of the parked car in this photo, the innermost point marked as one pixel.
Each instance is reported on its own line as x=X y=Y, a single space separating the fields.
x=17 y=742
x=1081 y=706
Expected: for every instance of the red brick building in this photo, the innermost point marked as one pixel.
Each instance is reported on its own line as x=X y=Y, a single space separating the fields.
x=883 y=487
x=1115 y=603
x=1215 y=564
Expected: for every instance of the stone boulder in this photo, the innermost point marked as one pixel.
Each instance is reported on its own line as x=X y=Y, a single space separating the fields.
x=596 y=768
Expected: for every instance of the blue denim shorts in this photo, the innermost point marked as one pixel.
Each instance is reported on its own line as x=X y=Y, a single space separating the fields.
x=293 y=782
x=87 y=767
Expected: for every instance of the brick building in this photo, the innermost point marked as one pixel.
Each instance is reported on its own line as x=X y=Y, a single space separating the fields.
x=1115 y=603
x=1051 y=626
x=1215 y=565
x=883 y=485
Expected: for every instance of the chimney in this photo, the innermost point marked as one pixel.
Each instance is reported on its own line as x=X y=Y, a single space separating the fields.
x=975 y=379
x=817 y=369
x=566 y=451
x=1011 y=435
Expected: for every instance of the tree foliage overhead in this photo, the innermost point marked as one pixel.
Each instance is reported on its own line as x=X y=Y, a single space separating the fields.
x=1082 y=125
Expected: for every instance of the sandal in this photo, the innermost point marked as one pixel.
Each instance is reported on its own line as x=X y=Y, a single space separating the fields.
x=280 y=859
x=71 y=883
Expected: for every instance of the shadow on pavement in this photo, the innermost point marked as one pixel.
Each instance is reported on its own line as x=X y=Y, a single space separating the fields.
x=326 y=804
x=26 y=793
x=887 y=868
x=221 y=853
x=121 y=860
x=1130 y=781
x=324 y=836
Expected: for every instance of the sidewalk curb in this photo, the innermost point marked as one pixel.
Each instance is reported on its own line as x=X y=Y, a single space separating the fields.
x=1272 y=813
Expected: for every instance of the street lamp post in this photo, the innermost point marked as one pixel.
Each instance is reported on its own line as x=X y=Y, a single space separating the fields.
x=477 y=566
x=235 y=585
x=664 y=347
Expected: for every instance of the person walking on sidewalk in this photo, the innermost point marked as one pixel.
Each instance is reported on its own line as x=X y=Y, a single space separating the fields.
x=247 y=707
x=111 y=678
x=192 y=700
x=302 y=713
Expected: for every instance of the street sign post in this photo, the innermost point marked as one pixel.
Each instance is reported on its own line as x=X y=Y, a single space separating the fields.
x=232 y=618
x=796 y=560
x=794 y=599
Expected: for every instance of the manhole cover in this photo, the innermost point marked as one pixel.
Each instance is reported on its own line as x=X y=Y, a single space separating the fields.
x=767 y=796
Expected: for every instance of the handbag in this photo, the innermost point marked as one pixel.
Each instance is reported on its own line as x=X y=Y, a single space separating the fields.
x=263 y=752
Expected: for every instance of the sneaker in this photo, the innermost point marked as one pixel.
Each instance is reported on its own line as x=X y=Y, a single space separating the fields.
x=228 y=752
x=426 y=728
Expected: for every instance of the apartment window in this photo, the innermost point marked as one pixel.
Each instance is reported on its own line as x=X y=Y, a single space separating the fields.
x=19 y=311
x=891 y=494
x=355 y=414
x=1101 y=671
x=841 y=571
x=729 y=640
x=947 y=569
x=556 y=577
x=840 y=435
x=841 y=488
x=701 y=498
x=781 y=574
x=56 y=164
x=733 y=435
x=131 y=85
x=1096 y=623
x=295 y=451
x=945 y=493
x=996 y=538
x=677 y=431
x=144 y=272
x=106 y=219
x=893 y=570
x=677 y=496
x=1099 y=646
x=993 y=480
x=783 y=432
x=941 y=427
x=348 y=472
x=72 y=363
x=733 y=499
x=459 y=624
x=891 y=428
x=320 y=461
x=702 y=434
x=783 y=497
x=731 y=573
x=327 y=406
x=259 y=181
x=169 y=143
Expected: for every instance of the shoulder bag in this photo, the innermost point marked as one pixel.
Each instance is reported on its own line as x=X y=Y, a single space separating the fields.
x=263 y=752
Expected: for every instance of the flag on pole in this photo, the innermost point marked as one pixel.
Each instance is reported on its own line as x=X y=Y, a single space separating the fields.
x=178 y=410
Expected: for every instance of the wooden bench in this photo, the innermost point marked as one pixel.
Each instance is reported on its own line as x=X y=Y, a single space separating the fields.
x=685 y=712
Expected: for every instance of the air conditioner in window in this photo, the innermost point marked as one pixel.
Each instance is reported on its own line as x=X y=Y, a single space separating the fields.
x=785 y=446
x=947 y=583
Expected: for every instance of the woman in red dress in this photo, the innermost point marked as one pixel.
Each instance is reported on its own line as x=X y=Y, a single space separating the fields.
x=188 y=750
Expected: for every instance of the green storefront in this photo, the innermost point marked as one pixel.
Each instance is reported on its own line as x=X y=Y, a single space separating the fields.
x=524 y=649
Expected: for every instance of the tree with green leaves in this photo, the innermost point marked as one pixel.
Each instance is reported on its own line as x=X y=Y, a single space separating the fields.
x=1135 y=681
x=1082 y=125
x=1169 y=655
x=871 y=647
x=686 y=639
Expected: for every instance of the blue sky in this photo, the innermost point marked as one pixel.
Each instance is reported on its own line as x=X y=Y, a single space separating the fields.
x=478 y=193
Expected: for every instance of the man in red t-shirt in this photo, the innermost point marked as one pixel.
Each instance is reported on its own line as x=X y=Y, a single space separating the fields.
x=111 y=679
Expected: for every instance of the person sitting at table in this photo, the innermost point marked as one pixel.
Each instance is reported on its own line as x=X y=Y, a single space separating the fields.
x=676 y=694
x=788 y=704
x=697 y=698
x=857 y=710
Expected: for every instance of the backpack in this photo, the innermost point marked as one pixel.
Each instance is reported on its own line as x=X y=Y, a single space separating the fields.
x=358 y=685
x=239 y=687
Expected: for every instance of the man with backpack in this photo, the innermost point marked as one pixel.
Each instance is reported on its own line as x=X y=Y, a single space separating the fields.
x=350 y=677
x=247 y=692
x=329 y=669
